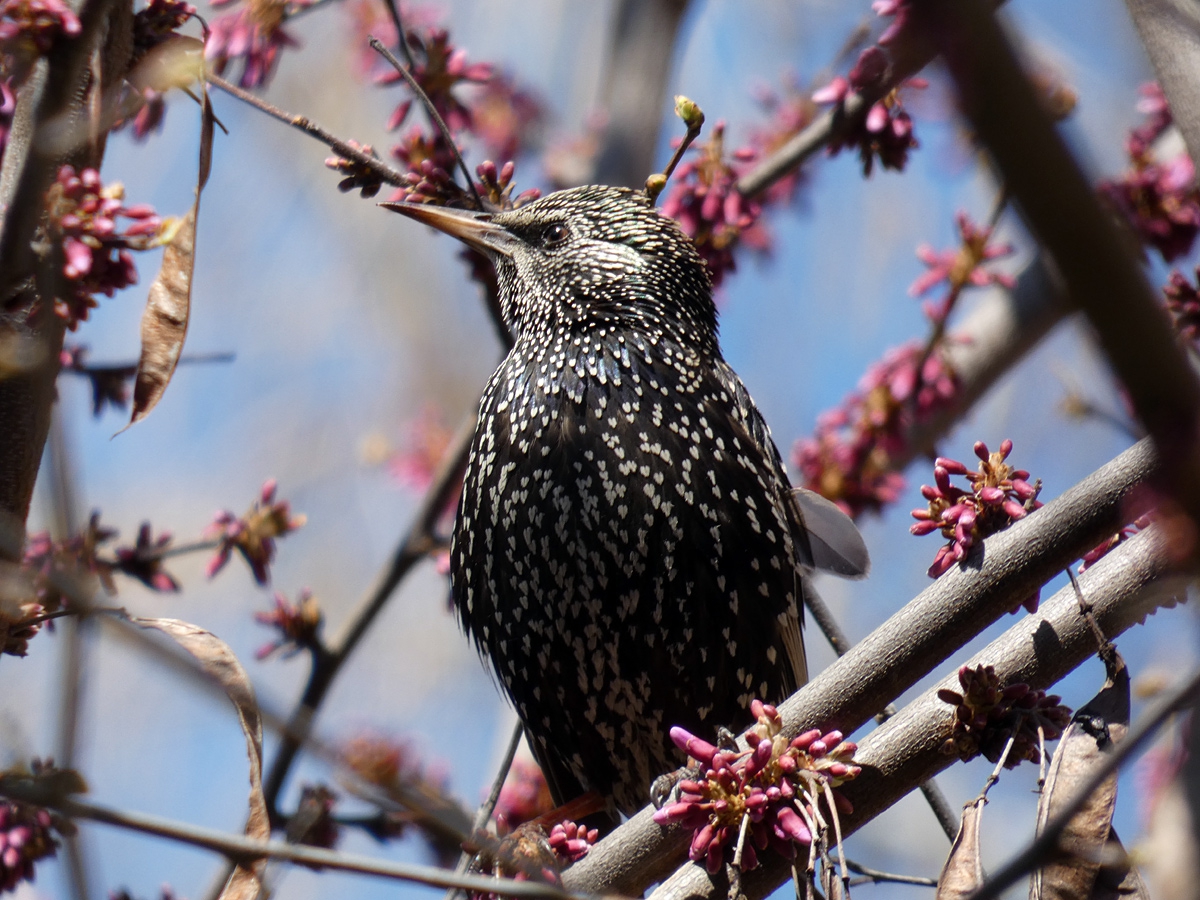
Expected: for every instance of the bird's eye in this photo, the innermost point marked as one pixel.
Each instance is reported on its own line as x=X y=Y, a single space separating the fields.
x=553 y=235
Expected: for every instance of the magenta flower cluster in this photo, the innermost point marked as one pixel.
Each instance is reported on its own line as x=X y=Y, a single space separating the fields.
x=152 y=25
x=960 y=267
x=45 y=564
x=1102 y=549
x=885 y=133
x=570 y=841
x=29 y=29
x=791 y=111
x=26 y=836
x=298 y=625
x=496 y=112
x=767 y=796
x=704 y=200
x=1158 y=198
x=998 y=495
x=1183 y=303
x=144 y=560
x=849 y=458
x=253 y=35
x=441 y=70
x=96 y=253
x=253 y=535
x=987 y=716
x=524 y=797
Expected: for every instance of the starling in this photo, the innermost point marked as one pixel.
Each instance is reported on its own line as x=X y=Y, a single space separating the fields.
x=628 y=551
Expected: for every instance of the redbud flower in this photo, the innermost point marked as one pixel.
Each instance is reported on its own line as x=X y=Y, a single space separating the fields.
x=253 y=35
x=83 y=217
x=30 y=28
x=144 y=560
x=900 y=11
x=1102 y=549
x=704 y=201
x=426 y=440
x=999 y=495
x=571 y=842
x=1183 y=303
x=26 y=836
x=358 y=177
x=791 y=111
x=849 y=458
x=443 y=69
x=768 y=793
x=1158 y=198
x=253 y=535
x=144 y=106
x=962 y=266
x=525 y=795
x=298 y=625
x=885 y=132
x=504 y=117
x=986 y=716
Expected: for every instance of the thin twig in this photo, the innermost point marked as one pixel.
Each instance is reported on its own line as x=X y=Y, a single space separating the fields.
x=387 y=54
x=75 y=641
x=484 y=813
x=393 y=8
x=995 y=776
x=239 y=848
x=938 y=335
x=876 y=876
x=1105 y=647
x=376 y=166
x=1045 y=845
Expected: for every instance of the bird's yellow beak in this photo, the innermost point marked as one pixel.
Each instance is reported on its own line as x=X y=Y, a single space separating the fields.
x=475 y=229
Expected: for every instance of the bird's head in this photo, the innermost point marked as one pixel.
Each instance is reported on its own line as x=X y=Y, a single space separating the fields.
x=585 y=258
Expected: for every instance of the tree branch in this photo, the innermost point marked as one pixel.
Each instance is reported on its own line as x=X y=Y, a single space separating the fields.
x=237 y=847
x=1132 y=581
x=1007 y=568
x=1170 y=32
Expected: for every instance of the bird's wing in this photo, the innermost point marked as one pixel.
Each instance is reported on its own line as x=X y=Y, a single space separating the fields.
x=828 y=538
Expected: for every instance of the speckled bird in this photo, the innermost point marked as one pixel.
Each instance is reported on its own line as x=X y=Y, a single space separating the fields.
x=628 y=552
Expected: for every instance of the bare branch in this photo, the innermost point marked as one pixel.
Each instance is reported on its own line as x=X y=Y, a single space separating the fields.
x=236 y=847
x=1169 y=30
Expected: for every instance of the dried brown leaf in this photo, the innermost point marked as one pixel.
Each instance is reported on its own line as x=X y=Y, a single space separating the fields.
x=218 y=661
x=963 y=873
x=1095 y=728
x=1118 y=879
x=168 y=306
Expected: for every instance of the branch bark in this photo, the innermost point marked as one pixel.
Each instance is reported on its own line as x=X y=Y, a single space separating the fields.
x=1124 y=587
x=954 y=609
x=635 y=86
x=1170 y=32
x=57 y=92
